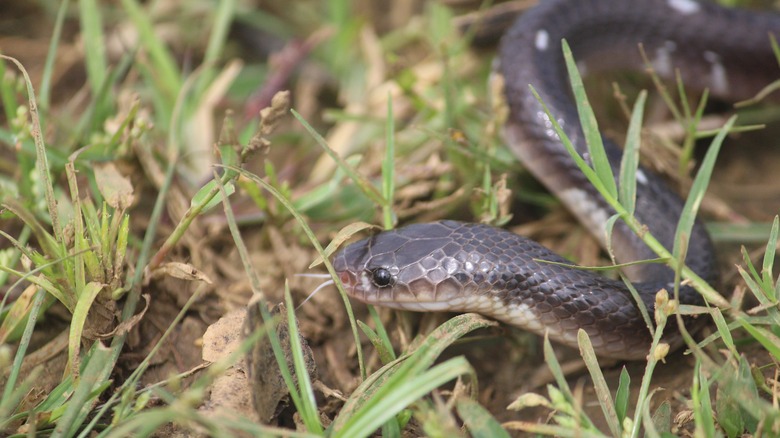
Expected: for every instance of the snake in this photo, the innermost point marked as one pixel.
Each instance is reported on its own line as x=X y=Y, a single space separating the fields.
x=451 y=266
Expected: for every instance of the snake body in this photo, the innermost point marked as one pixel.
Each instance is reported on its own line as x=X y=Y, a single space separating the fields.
x=463 y=267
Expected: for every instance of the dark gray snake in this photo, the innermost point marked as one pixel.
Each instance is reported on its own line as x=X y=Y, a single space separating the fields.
x=462 y=267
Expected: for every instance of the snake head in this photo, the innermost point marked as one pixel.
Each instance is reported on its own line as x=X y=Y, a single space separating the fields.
x=412 y=268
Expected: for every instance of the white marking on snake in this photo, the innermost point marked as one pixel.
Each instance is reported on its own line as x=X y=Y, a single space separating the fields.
x=428 y=306
x=684 y=7
x=518 y=314
x=582 y=68
x=548 y=125
x=522 y=314
x=663 y=58
x=542 y=40
x=456 y=301
x=641 y=178
x=587 y=211
x=365 y=282
x=718 y=77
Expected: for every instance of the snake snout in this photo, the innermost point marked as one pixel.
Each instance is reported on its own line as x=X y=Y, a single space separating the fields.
x=347 y=274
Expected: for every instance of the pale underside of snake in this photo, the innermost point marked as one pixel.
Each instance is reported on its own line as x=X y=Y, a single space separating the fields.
x=462 y=267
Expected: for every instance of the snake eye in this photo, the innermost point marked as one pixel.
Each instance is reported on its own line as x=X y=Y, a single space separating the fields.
x=381 y=277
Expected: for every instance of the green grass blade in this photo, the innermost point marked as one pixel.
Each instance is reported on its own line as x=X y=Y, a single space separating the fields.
x=165 y=73
x=749 y=276
x=729 y=413
x=662 y=419
x=746 y=393
x=692 y=123
x=382 y=332
x=51 y=56
x=700 y=398
x=769 y=340
x=93 y=38
x=85 y=394
x=563 y=386
x=42 y=160
x=555 y=368
x=10 y=107
x=87 y=297
x=630 y=161
x=385 y=351
x=364 y=184
x=769 y=260
x=593 y=178
x=24 y=343
x=599 y=383
x=223 y=18
x=376 y=386
x=308 y=409
x=622 y=395
x=589 y=125
x=724 y=331
x=401 y=393
x=388 y=168
x=11 y=404
x=479 y=422
x=643 y=399
x=698 y=189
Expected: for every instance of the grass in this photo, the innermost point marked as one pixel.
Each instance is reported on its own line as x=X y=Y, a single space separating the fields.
x=105 y=214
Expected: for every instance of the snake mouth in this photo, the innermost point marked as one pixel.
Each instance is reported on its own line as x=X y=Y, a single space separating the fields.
x=359 y=287
x=411 y=305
